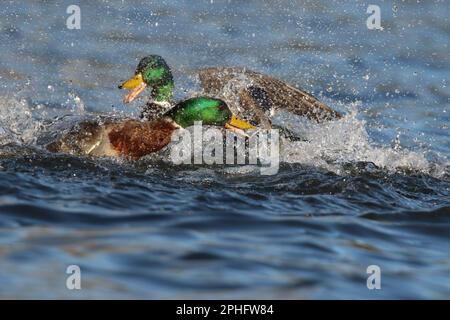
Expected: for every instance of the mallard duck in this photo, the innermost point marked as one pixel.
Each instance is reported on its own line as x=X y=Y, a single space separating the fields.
x=251 y=96
x=134 y=139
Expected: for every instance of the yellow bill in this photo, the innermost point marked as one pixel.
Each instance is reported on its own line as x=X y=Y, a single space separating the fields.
x=136 y=85
x=235 y=122
x=238 y=126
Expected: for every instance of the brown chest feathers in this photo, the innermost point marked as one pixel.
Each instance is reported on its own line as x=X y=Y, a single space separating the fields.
x=136 y=139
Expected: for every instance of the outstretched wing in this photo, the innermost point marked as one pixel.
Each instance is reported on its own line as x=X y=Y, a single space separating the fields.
x=259 y=96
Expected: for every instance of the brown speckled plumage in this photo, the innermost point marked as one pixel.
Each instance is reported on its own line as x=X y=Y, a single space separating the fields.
x=254 y=96
x=81 y=139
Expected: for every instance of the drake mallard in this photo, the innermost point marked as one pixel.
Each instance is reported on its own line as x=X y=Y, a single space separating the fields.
x=243 y=94
x=131 y=138
x=251 y=96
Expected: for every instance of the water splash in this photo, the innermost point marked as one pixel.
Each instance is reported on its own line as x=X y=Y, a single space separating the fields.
x=16 y=121
x=78 y=106
x=332 y=145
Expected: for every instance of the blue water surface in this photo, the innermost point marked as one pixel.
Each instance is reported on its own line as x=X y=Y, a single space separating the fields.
x=152 y=230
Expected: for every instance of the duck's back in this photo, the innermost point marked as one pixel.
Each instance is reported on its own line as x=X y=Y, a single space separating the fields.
x=256 y=97
x=111 y=137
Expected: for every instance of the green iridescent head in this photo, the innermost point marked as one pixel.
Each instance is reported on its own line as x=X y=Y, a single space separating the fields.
x=209 y=111
x=152 y=71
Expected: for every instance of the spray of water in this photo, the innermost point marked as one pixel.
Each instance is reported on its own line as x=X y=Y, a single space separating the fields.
x=333 y=144
x=330 y=145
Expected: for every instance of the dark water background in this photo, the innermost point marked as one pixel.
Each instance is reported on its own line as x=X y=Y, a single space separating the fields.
x=371 y=189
